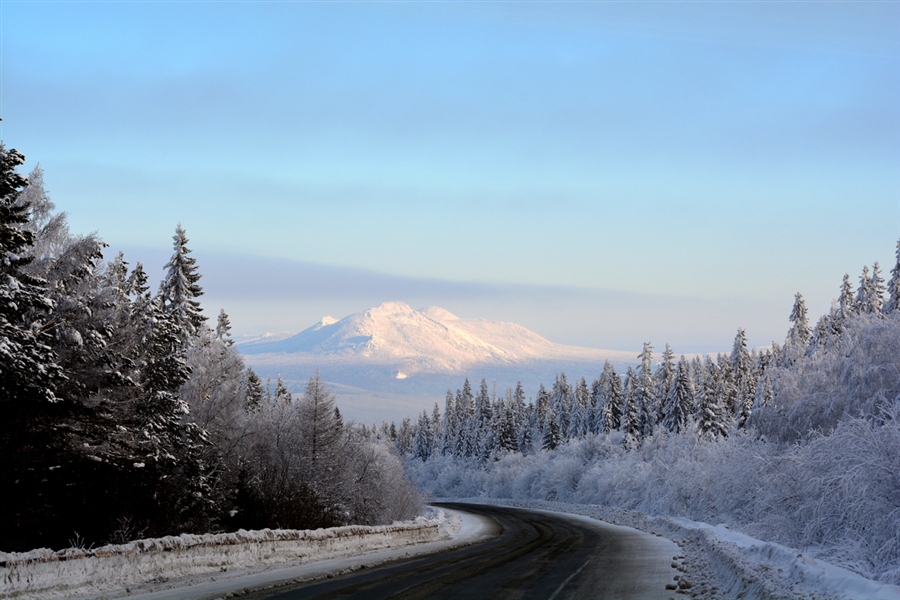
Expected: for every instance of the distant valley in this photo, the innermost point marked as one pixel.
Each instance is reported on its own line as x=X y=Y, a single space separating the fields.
x=392 y=361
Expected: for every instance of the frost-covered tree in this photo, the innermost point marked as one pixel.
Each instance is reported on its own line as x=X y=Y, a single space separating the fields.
x=663 y=379
x=180 y=289
x=711 y=418
x=319 y=440
x=645 y=400
x=865 y=301
x=613 y=408
x=223 y=328
x=743 y=377
x=449 y=430
x=631 y=414
x=50 y=228
x=892 y=305
x=561 y=401
x=255 y=394
x=581 y=410
x=875 y=304
x=424 y=437
x=282 y=394
x=800 y=333
x=846 y=302
x=550 y=435
x=680 y=399
x=28 y=366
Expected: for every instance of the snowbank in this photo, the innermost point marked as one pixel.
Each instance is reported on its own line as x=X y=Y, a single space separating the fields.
x=721 y=563
x=44 y=573
x=742 y=565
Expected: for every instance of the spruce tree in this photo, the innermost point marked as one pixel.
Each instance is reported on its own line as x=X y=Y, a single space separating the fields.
x=613 y=408
x=282 y=394
x=799 y=334
x=254 y=395
x=892 y=305
x=449 y=429
x=680 y=399
x=631 y=413
x=223 y=328
x=180 y=290
x=864 y=292
x=29 y=371
x=550 y=436
x=710 y=414
x=645 y=400
x=663 y=379
x=877 y=289
x=742 y=377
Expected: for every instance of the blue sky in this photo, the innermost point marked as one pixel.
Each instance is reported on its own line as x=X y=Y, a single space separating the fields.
x=602 y=173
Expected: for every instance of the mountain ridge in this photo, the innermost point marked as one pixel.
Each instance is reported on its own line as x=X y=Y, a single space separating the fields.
x=415 y=355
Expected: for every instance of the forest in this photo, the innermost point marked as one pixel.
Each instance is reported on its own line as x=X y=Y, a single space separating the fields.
x=796 y=443
x=127 y=413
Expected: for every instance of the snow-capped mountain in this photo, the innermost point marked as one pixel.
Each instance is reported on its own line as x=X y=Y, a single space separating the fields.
x=416 y=355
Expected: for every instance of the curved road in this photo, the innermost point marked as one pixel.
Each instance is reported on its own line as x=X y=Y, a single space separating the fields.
x=535 y=554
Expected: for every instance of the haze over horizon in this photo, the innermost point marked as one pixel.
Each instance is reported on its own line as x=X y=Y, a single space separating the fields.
x=601 y=173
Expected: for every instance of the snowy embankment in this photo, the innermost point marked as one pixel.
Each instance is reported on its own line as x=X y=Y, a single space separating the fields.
x=153 y=564
x=721 y=563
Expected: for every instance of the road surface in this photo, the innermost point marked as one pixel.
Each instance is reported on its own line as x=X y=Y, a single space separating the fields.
x=535 y=554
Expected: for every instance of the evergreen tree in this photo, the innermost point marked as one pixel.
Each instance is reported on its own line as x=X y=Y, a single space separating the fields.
x=562 y=401
x=846 y=302
x=663 y=380
x=517 y=407
x=582 y=414
x=799 y=334
x=282 y=394
x=710 y=414
x=180 y=289
x=550 y=436
x=631 y=414
x=875 y=305
x=320 y=432
x=223 y=328
x=437 y=427
x=864 y=292
x=742 y=376
x=680 y=399
x=424 y=437
x=254 y=392
x=28 y=369
x=449 y=430
x=613 y=408
x=893 y=288
x=645 y=400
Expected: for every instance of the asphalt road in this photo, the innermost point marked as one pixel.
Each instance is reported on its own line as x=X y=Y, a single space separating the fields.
x=534 y=555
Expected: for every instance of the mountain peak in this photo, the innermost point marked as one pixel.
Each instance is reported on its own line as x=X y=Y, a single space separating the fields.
x=432 y=340
x=326 y=321
x=390 y=309
x=439 y=314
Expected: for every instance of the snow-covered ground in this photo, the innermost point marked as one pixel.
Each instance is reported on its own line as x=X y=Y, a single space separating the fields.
x=210 y=566
x=721 y=563
x=716 y=562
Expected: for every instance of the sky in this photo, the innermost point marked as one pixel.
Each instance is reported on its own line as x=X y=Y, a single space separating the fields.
x=603 y=173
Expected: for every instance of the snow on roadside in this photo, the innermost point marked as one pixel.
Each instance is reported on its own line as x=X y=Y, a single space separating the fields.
x=721 y=563
x=114 y=569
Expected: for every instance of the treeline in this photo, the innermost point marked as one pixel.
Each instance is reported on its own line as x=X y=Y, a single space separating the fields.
x=124 y=413
x=797 y=444
x=713 y=396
